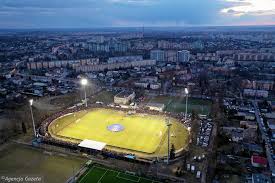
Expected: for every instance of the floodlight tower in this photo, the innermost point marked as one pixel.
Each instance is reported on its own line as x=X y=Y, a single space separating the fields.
x=189 y=130
x=33 y=125
x=168 y=124
x=186 y=95
x=84 y=83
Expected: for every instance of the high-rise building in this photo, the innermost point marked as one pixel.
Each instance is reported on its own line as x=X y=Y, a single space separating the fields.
x=171 y=56
x=158 y=55
x=104 y=47
x=184 y=56
x=119 y=47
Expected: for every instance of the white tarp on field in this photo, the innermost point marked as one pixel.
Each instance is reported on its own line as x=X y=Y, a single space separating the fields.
x=92 y=144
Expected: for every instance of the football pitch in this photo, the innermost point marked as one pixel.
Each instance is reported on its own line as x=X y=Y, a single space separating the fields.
x=143 y=133
x=177 y=104
x=99 y=174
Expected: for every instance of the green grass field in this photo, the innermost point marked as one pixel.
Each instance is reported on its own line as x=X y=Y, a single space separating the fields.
x=106 y=97
x=16 y=160
x=143 y=133
x=99 y=174
x=177 y=104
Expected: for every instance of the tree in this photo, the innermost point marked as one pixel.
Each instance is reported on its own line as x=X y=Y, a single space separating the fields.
x=24 y=129
x=172 y=152
x=194 y=115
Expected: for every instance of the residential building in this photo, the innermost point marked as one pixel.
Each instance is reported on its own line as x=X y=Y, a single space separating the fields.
x=155 y=86
x=124 y=59
x=140 y=84
x=115 y=66
x=260 y=178
x=158 y=55
x=183 y=56
x=254 y=57
x=255 y=93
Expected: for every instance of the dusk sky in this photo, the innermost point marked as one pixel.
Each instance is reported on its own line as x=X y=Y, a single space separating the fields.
x=130 y=13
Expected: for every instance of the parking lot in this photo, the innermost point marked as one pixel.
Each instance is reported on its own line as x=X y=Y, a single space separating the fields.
x=204 y=133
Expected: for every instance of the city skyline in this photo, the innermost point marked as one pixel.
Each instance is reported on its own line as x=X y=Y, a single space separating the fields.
x=137 y=91
x=134 y=13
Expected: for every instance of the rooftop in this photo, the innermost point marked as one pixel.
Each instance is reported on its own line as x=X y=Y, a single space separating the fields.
x=260 y=178
x=271 y=124
x=259 y=160
x=156 y=105
x=124 y=94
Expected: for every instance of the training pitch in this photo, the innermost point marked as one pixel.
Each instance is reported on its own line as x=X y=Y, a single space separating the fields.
x=20 y=160
x=142 y=133
x=99 y=174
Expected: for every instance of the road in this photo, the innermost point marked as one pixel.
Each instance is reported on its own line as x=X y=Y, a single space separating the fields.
x=265 y=138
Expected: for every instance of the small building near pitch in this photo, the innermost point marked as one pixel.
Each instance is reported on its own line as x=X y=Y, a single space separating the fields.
x=124 y=97
x=156 y=106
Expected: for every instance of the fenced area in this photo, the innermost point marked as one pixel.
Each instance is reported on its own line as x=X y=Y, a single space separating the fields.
x=144 y=133
x=100 y=174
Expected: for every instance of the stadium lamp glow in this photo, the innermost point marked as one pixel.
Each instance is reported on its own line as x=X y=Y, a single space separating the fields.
x=31 y=101
x=186 y=91
x=84 y=81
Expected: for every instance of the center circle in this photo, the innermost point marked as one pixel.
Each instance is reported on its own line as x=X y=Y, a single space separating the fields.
x=115 y=128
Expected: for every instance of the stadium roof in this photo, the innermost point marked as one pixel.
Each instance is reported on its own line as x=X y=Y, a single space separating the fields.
x=92 y=144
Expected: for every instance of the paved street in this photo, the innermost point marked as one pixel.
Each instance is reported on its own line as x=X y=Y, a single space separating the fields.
x=265 y=138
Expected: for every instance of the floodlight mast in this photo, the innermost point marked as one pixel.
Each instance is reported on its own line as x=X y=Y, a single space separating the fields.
x=186 y=102
x=189 y=130
x=84 y=83
x=33 y=125
x=168 y=124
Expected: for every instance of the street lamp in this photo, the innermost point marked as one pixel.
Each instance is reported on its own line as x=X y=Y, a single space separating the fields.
x=84 y=83
x=189 y=133
x=33 y=125
x=168 y=124
x=186 y=94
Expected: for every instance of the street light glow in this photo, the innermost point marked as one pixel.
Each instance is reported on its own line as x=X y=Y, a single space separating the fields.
x=34 y=130
x=84 y=81
x=31 y=101
x=186 y=91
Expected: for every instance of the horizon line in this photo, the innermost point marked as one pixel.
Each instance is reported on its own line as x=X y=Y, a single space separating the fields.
x=119 y=27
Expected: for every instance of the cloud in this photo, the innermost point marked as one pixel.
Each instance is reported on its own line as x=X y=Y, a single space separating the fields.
x=98 y=13
x=250 y=7
x=56 y=4
x=134 y=2
x=94 y=13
